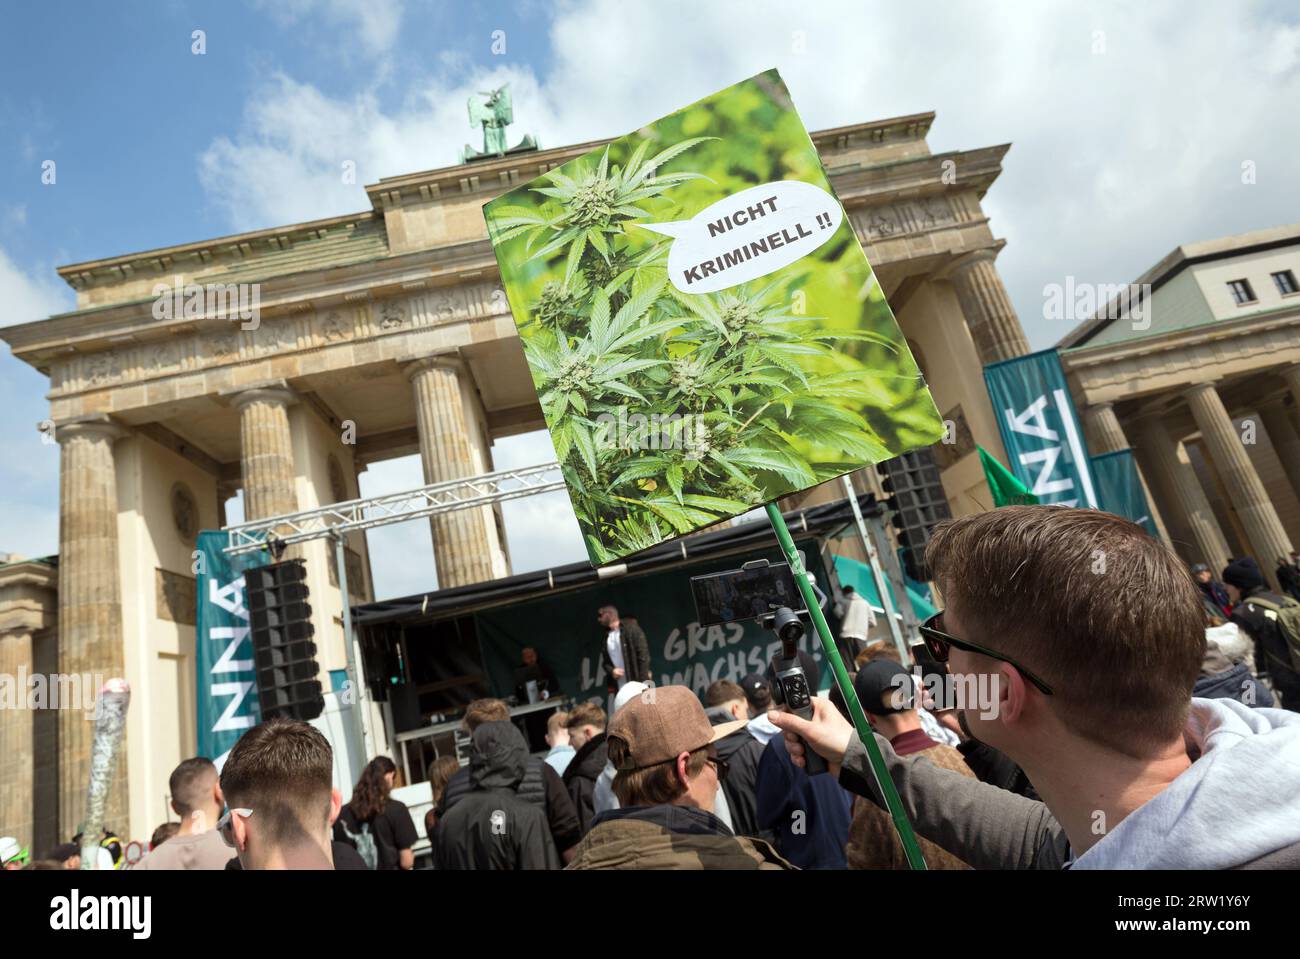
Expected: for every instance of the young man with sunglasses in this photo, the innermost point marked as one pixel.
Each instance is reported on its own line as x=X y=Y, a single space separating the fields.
x=1089 y=633
x=278 y=782
x=668 y=771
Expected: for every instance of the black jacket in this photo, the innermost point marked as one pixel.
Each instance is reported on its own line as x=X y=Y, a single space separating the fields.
x=345 y=857
x=541 y=786
x=1288 y=578
x=742 y=751
x=636 y=655
x=580 y=778
x=996 y=768
x=1272 y=655
x=491 y=827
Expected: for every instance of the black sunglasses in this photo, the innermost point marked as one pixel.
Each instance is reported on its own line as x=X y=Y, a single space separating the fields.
x=721 y=765
x=937 y=643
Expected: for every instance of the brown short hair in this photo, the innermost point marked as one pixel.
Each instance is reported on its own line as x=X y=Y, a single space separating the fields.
x=164 y=832
x=655 y=785
x=1103 y=612
x=559 y=720
x=723 y=691
x=586 y=714
x=482 y=711
x=191 y=784
x=878 y=651
x=284 y=771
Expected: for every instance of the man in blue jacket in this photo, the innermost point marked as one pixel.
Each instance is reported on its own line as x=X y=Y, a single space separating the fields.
x=810 y=815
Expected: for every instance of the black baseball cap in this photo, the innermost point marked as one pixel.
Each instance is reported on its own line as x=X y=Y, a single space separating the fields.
x=758 y=691
x=875 y=684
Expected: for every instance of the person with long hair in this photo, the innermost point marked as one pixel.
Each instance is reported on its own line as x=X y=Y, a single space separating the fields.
x=440 y=772
x=378 y=826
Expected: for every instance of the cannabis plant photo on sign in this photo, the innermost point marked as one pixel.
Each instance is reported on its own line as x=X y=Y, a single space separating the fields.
x=702 y=326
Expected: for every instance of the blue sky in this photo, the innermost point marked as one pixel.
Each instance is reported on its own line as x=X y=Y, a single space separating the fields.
x=1129 y=126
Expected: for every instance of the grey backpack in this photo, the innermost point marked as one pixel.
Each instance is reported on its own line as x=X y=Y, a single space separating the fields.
x=1287 y=616
x=365 y=843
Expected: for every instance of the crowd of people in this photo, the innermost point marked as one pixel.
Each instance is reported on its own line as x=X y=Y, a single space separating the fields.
x=1129 y=719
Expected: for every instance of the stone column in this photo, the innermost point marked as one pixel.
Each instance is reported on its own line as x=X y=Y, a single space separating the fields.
x=1291 y=377
x=1286 y=443
x=1181 y=496
x=266 y=451
x=984 y=301
x=17 y=756
x=90 y=608
x=465 y=540
x=1106 y=435
x=1268 y=540
x=1104 y=431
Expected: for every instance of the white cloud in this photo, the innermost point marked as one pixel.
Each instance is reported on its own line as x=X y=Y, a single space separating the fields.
x=1117 y=156
x=401 y=555
x=24 y=297
x=374 y=24
x=287 y=163
x=542 y=530
x=31 y=523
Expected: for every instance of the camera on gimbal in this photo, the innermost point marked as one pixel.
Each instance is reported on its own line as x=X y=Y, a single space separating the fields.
x=767 y=593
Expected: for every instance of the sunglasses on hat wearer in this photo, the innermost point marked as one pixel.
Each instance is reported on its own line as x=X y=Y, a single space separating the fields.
x=937 y=643
x=720 y=765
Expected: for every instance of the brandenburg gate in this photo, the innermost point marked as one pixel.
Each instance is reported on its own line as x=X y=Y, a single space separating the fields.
x=376 y=335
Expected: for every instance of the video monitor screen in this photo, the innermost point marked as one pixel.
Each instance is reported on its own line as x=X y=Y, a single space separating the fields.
x=740 y=594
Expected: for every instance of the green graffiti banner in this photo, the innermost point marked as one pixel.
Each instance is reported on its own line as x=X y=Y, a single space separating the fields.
x=564 y=631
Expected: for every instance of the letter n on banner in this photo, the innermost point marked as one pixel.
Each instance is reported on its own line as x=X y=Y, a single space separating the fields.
x=225 y=684
x=1040 y=428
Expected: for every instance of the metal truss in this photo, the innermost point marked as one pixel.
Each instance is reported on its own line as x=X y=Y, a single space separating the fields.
x=358 y=514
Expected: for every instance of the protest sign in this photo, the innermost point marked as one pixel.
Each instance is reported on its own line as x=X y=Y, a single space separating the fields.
x=701 y=324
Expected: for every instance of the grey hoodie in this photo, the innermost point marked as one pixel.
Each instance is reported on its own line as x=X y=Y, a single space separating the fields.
x=1234 y=807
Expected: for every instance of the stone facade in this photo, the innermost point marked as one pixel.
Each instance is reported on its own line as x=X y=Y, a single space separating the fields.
x=29 y=755
x=1205 y=389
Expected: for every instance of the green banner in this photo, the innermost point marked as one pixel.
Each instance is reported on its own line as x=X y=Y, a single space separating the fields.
x=564 y=631
x=1040 y=428
x=1006 y=489
x=226 y=690
x=701 y=324
x=1119 y=488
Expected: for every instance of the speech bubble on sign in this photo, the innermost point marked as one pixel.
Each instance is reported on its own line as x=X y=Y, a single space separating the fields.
x=748 y=234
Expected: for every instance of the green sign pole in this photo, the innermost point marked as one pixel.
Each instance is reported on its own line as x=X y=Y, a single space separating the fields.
x=883 y=782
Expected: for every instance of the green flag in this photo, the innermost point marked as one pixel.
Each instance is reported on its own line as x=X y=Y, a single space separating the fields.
x=1006 y=489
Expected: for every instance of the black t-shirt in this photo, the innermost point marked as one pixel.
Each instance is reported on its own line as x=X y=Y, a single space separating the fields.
x=544 y=676
x=345 y=857
x=392 y=829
